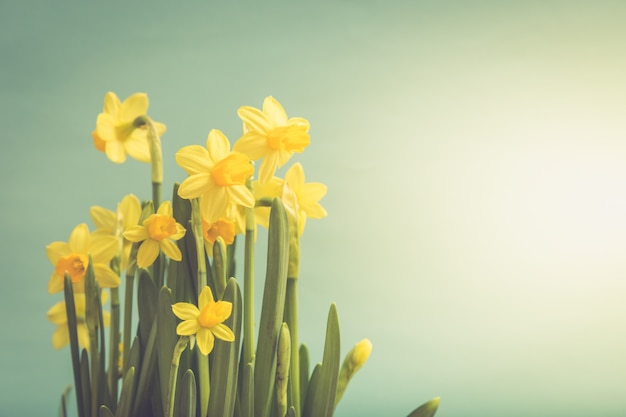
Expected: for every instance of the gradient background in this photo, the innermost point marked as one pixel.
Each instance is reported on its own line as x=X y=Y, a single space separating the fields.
x=474 y=151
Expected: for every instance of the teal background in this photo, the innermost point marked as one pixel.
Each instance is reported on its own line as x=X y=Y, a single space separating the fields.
x=474 y=152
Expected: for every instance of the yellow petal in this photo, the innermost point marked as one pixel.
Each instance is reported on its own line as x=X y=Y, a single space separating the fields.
x=79 y=239
x=136 y=234
x=185 y=311
x=221 y=331
x=274 y=111
x=111 y=104
x=55 y=284
x=295 y=175
x=253 y=144
x=194 y=159
x=268 y=167
x=115 y=151
x=187 y=327
x=103 y=248
x=57 y=249
x=165 y=209
x=205 y=340
x=130 y=207
x=106 y=318
x=102 y=218
x=170 y=250
x=105 y=128
x=205 y=297
x=136 y=145
x=194 y=185
x=180 y=232
x=160 y=127
x=214 y=204
x=57 y=313
x=299 y=121
x=147 y=253
x=218 y=145
x=133 y=107
x=240 y=194
x=83 y=335
x=254 y=118
x=105 y=276
x=60 y=337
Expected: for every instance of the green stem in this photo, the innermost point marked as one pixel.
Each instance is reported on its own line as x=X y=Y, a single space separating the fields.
x=291 y=318
x=171 y=393
x=114 y=341
x=156 y=157
x=248 y=290
x=128 y=310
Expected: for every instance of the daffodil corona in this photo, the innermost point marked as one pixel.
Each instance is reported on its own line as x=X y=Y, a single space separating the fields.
x=204 y=321
x=159 y=231
x=270 y=135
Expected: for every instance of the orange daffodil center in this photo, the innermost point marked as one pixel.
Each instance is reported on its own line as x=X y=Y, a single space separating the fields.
x=205 y=321
x=232 y=170
x=75 y=264
x=223 y=228
x=160 y=227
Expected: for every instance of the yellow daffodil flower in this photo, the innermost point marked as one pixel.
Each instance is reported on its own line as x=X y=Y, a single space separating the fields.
x=223 y=228
x=111 y=223
x=58 y=315
x=115 y=133
x=73 y=257
x=216 y=175
x=270 y=135
x=159 y=231
x=204 y=321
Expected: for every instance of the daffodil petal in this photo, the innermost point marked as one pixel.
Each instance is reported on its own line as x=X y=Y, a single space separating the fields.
x=268 y=167
x=217 y=145
x=194 y=185
x=170 y=250
x=252 y=144
x=115 y=151
x=55 y=284
x=215 y=204
x=57 y=314
x=102 y=218
x=254 y=119
x=205 y=297
x=111 y=103
x=83 y=335
x=57 y=249
x=160 y=127
x=103 y=248
x=187 y=327
x=274 y=111
x=147 y=253
x=194 y=159
x=61 y=337
x=136 y=145
x=105 y=276
x=133 y=107
x=180 y=232
x=165 y=209
x=295 y=175
x=221 y=331
x=240 y=194
x=185 y=311
x=79 y=239
x=205 y=340
x=106 y=318
x=130 y=207
x=105 y=128
x=136 y=234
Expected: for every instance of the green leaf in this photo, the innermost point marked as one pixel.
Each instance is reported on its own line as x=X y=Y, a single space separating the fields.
x=166 y=339
x=70 y=309
x=219 y=267
x=186 y=401
x=85 y=377
x=147 y=297
x=246 y=399
x=126 y=396
x=226 y=358
x=311 y=390
x=64 y=399
x=272 y=309
x=427 y=409
x=282 y=369
x=146 y=373
x=304 y=372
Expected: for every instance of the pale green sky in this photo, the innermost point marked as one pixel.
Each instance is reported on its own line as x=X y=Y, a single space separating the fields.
x=474 y=151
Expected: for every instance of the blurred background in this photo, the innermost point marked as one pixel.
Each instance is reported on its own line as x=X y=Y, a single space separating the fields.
x=475 y=157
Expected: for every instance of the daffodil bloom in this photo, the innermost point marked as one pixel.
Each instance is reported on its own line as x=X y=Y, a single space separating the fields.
x=204 y=321
x=158 y=231
x=270 y=135
x=73 y=258
x=115 y=133
x=111 y=223
x=58 y=315
x=216 y=175
x=223 y=228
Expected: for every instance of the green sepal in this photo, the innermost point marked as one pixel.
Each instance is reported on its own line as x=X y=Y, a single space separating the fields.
x=304 y=372
x=272 y=308
x=166 y=339
x=226 y=358
x=186 y=401
x=427 y=409
x=219 y=267
x=70 y=311
x=105 y=412
x=126 y=396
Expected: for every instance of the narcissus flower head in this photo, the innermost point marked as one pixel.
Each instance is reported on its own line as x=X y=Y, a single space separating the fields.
x=158 y=231
x=270 y=135
x=73 y=258
x=204 y=321
x=216 y=175
x=222 y=228
x=115 y=133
